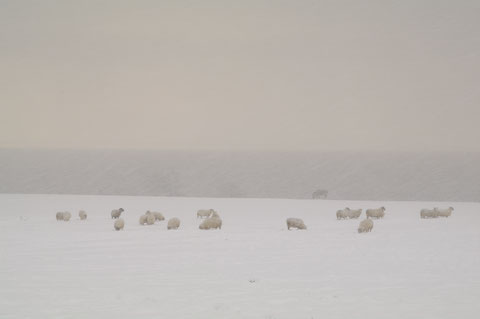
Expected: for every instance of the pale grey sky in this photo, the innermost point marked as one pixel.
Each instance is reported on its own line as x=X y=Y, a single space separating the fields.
x=290 y=75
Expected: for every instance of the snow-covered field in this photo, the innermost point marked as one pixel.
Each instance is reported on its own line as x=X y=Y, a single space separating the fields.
x=251 y=268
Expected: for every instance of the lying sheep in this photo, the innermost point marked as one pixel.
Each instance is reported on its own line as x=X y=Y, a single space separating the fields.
x=119 y=224
x=143 y=220
x=366 y=225
x=204 y=213
x=67 y=216
x=150 y=219
x=147 y=218
x=211 y=223
x=343 y=213
x=428 y=213
x=116 y=213
x=59 y=216
x=443 y=212
x=295 y=223
x=173 y=223
x=82 y=214
x=157 y=215
x=376 y=213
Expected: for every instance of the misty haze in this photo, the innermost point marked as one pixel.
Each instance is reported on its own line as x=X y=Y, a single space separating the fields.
x=437 y=176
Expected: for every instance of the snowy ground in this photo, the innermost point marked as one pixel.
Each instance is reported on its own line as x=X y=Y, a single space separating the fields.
x=252 y=268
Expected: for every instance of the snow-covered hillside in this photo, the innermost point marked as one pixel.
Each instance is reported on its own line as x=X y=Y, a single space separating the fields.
x=252 y=268
x=347 y=175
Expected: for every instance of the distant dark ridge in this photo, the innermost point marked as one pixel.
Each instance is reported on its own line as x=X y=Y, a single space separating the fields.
x=346 y=175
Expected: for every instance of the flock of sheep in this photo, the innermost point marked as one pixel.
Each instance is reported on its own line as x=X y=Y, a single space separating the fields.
x=213 y=221
x=366 y=225
x=347 y=213
x=436 y=212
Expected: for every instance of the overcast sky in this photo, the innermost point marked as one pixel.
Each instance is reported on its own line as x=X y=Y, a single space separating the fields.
x=276 y=75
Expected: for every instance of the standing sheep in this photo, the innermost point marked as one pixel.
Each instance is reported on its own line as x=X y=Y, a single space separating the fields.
x=202 y=213
x=354 y=213
x=376 y=213
x=428 y=213
x=119 y=224
x=173 y=223
x=116 y=213
x=211 y=223
x=67 y=216
x=59 y=216
x=342 y=213
x=443 y=212
x=295 y=223
x=82 y=214
x=366 y=225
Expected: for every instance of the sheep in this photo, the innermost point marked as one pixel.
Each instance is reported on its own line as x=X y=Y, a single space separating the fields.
x=173 y=223
x=116 y=213
x=82 y=214
x=143 y=220
x=211 y=223
x=67 y=216
x=59 y=216
x=342 y=213
x=348 y=213
x=295 y=223
x=354 y=213
x=119 y=224
x=443 y=212
x=428 y=213
x=375 y=213
x=202 y=213
x=366 y=225
x=150 y=219
x=214 y=214
x=158 y=216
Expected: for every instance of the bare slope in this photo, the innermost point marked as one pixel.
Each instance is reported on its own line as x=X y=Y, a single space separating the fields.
x=366 y=176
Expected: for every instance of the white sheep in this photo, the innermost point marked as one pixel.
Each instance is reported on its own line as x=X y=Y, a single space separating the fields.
x=67 y=216
x=366 y=225
x=150 y=219
x=116 y=213
x=143 y=220
x=354 y=213
x=119 y=224
x=443 y=212
x=173 y=223
x=376 y=213
x=428 y=213
x=82 y=214
x=59 y=216
x=211 y=223
x=158 y=216
x=214 y=214
x=204 y=213
x=342 y=213
x=295 y=223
